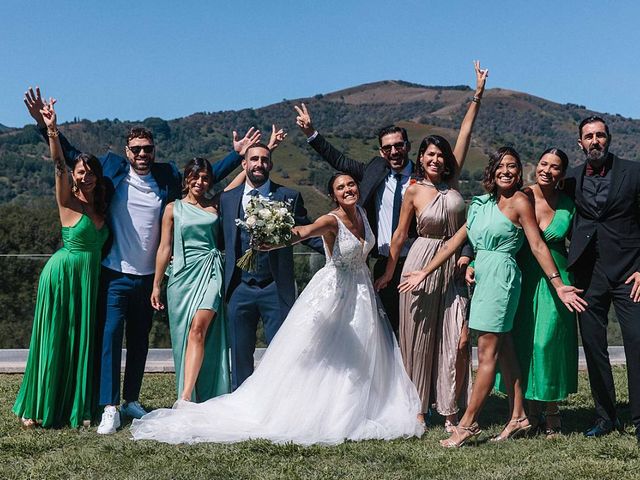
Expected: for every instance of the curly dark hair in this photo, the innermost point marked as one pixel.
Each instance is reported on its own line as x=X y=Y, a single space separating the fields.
x=441 y=143
x=100 y=192
x=489 y=176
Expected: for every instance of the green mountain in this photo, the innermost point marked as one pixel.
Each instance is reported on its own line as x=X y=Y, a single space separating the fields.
x=349 y=118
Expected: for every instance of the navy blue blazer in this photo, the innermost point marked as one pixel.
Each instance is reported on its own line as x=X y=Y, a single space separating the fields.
x=116 y=168
x=281 y=259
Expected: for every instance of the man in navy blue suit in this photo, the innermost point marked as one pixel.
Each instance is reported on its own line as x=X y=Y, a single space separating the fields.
x=268 y=292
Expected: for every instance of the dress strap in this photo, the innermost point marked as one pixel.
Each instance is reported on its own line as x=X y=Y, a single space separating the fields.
x=178 y=261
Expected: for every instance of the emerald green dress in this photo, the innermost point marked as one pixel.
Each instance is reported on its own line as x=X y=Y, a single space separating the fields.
x=57 y=386
x=495 y=240
x=196 y=283
x=545 y=333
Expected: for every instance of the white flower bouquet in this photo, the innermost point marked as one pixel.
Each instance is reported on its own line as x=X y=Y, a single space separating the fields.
x=268 y=222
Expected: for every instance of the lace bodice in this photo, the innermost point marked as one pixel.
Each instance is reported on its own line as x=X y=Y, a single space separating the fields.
x=349 y=253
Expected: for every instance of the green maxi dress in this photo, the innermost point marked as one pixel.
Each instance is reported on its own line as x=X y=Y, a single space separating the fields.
x=57 y=385
x=495 y=240
x=545 y=333
x=196 y=283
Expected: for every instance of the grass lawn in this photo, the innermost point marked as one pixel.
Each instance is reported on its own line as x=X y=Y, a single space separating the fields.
x=83 y=454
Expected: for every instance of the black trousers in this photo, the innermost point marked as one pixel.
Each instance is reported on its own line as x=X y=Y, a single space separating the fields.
x=599 y=293
x=389 y=295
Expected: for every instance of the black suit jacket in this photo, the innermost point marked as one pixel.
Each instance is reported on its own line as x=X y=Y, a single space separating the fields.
x=369 y=176
x=617 y=227
x=280 y=260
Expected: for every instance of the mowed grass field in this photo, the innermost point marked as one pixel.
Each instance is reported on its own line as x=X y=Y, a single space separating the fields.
x=82 y=454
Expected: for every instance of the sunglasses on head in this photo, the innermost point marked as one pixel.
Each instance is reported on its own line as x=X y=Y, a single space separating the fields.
x=136 y=149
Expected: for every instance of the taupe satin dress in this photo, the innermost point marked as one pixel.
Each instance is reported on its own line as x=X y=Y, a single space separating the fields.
x=432 y=317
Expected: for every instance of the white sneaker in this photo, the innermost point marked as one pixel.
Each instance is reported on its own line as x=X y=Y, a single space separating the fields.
x=110 y=421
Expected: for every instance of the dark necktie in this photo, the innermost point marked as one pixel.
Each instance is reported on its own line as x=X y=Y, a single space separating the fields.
x=253 y=193
x=397 y=203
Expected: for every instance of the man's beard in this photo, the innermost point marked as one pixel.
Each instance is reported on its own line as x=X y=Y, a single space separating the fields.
x=596 y=157
x=257 y=181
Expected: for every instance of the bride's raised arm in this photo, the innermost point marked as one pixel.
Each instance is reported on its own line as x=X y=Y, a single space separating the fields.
x=324 y=225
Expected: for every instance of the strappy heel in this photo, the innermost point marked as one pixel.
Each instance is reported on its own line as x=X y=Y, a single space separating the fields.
x=517 y=431
x=464 y=434
x=552 y=424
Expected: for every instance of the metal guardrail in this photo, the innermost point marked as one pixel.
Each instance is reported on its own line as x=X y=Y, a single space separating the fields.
x=160 y=360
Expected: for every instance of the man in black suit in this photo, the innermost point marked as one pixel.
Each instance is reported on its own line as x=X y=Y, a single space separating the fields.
x=383 y=182
x=268 y=292
x=605 y=258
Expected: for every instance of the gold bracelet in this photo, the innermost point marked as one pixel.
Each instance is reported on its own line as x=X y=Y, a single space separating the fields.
x=53 y=133
x=553 y=275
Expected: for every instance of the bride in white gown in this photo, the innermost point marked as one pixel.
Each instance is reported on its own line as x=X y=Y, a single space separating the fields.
x=332 y=373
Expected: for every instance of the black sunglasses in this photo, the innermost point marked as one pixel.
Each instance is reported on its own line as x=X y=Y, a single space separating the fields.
x=136 y=149
x=398 y=146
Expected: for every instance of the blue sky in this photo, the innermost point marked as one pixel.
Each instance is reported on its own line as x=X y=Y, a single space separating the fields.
x=131 y=60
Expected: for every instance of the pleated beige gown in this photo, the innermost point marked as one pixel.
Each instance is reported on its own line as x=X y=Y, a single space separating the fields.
x=432 y=317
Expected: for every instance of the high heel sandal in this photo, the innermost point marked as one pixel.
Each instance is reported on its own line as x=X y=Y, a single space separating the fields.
x=552 y=428
x=515 y=432
x=472 y=432
x=28 y=423
x=449 y=426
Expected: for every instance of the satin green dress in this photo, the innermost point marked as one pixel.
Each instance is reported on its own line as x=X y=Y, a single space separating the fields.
x=196 y=282
x=57 y=385
x=495 y=240
x=545 y=332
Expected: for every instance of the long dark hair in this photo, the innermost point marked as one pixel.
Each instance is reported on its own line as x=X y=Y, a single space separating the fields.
x=100 y=191
x=194 y=167
x=489 y=176
x=444 y=146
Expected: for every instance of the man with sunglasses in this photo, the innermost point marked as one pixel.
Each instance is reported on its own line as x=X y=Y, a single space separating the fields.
x=138 y=189
x=383 y=182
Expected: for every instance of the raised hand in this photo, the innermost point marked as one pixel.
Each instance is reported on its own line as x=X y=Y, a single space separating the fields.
x=412 y=280
x=48 y=114
x=277 y=136
x=481 y=77
x=240 y=145
x=569 y=296
x=33 y=101
x=303 y=120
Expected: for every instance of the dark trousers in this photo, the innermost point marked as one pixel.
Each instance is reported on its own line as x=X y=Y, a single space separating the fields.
x=389 y=295
x=247 y=305
x=124 y=307
x=599 y=293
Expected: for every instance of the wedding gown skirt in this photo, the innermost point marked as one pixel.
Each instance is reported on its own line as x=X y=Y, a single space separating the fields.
x=332 y=373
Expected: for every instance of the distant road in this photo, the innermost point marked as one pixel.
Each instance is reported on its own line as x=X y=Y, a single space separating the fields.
x=160 y=360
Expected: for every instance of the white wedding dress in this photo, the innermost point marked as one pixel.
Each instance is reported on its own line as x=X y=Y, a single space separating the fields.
x=332 y=373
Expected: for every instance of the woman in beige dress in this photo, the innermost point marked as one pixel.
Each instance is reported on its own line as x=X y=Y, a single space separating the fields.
x=434 y=336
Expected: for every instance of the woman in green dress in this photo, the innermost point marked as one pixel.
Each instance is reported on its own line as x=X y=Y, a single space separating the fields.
x=544 y=333
x=195 y=288
x=496 y=225
x=57 y=385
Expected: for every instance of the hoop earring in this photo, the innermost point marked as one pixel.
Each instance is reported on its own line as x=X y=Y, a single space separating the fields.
x=560 y=185
x=74 y=188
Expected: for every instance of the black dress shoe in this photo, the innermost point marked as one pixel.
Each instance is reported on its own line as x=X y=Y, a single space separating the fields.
x=603 y=427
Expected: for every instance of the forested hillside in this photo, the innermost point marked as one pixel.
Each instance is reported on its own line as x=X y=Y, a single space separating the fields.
x=349 y=118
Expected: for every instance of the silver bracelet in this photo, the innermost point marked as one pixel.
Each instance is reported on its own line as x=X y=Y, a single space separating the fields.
x=553 y=275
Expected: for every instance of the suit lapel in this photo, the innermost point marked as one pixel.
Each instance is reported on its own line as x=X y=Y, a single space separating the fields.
x=618 y=174
x=234 y=201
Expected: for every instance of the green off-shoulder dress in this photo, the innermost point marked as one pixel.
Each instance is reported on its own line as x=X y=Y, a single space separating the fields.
x=196 y=282
x=545 y=332
x=495 y=240
x=57 y=386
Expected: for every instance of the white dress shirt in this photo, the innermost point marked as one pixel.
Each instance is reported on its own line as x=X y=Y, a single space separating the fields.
x=384 y=207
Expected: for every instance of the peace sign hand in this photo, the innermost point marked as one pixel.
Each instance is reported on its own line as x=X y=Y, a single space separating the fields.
x=303 y=120
x=277 y=136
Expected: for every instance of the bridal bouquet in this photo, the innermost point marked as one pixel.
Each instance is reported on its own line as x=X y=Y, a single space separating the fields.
x=268 y=222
